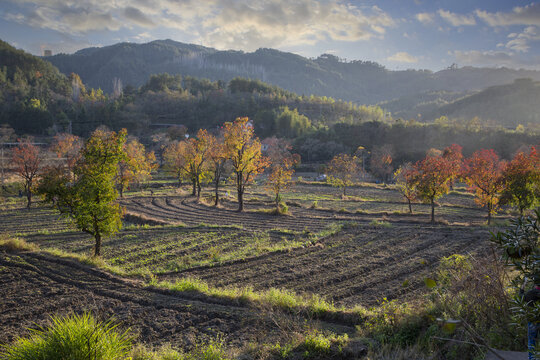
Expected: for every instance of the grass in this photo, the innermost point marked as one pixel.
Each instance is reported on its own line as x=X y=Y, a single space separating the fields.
x=72 y=337
x=16 y=244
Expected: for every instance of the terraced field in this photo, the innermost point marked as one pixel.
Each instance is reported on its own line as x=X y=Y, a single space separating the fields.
x=34 y=286
x=353 y=250
x=359 y=265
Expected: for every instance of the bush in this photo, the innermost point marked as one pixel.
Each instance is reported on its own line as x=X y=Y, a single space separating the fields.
x=72 y=337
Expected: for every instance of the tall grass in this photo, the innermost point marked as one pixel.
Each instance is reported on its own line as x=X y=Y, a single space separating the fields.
x=73 y=337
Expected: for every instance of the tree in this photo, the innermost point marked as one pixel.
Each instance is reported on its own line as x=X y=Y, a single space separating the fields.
x=90 y=199
x=381 y=161
x=455 y=161
x=282 y=167
x=67 y=147
x=521 y=180
x=432 y=178
x=27 y=162
x=483 y=173
x=217 y=159
x=405 y=183
x=136 y=166
x=187 y=159
x=343 y=169
x=244 y=151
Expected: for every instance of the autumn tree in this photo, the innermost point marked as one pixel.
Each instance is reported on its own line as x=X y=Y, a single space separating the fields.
x=521 y=180
x=187 y=159
x=217 y=160
x=406 y=183
x=27 y=161
x=244 y=151
x=483 y=173
x=282 y=162
x=343 y=170
x=432 y=178
x=90 y=199
x=136 y=166
x=454 y=157
x=67 y=147
x=381 y=161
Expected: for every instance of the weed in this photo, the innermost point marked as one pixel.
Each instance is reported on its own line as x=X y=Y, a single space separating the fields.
x=380 y=223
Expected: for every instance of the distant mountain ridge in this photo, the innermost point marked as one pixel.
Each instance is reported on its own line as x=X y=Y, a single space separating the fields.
x=363 y=82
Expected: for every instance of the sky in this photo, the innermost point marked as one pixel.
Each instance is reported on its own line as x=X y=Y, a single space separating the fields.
x=399 y=34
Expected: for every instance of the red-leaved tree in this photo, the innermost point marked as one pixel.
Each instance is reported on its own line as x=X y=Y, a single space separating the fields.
x=521 y=179
x=483 y=173
x=432 y=177
x=27 y=161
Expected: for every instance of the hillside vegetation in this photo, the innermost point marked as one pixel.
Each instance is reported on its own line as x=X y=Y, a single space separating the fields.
x=362 y=82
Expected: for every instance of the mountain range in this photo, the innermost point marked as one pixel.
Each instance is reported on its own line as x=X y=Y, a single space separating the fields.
x=362 y=82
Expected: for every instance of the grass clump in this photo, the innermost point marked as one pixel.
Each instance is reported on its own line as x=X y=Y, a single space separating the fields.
x=72 y=337
x=320 y=345
x=16 y=244
x=380 y=223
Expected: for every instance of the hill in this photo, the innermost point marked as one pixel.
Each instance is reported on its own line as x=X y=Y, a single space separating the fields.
x=363 y=82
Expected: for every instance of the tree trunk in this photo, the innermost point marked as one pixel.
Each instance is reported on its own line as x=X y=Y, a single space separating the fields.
x=240 y=189
x=121 y=190
x=432 y=210
x=97 y=247
x=216 y=188
x=277 y=201
x=489 y=212
x=410 y=206
x=198 y=189
x=194 y=191
x=29 y=195
x=344 y=191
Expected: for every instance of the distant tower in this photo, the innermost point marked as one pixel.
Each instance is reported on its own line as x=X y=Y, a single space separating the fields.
x=47 y=52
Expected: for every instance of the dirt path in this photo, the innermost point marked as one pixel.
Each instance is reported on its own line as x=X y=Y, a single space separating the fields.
x=34 y=286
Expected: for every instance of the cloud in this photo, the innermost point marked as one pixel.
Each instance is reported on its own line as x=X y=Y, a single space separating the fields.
x=137 y=17
x=496 y=58
x=526 y=15
x=456 y=19
x=521 y=42
x=425 y=18
x=402 y=57
x=238 y=24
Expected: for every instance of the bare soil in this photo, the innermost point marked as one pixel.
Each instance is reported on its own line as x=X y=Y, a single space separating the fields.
x=360 y=265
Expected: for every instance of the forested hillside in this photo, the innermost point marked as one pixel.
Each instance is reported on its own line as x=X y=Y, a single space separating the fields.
x=38 y=100
x=358 y=81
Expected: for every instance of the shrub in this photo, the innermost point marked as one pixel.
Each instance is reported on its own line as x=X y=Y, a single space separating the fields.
x=16 y=244
x=72 y=337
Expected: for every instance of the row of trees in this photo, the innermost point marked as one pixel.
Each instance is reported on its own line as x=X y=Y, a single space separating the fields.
x=494 y=181
x=85 y=184
x=235 y=149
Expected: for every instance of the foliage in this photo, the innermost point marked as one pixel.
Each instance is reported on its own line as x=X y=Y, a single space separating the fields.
x=483 y=173
x=90 y=200
x=405 y=183
x=381 y=161
x=432 y=178
x=72 y=337
x=136 y=166
x=521 y=179
x=187 y=159
x=282 y=163
x=68 y=147
x=27 y=161
x=343 y=170
x=244 y=151
x=217 y=161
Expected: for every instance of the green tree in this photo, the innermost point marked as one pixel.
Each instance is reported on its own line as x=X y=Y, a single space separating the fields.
x=90 y=200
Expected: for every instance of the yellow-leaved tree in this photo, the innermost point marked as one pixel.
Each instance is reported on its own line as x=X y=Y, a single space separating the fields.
x=187 y=159
x=244 y=151
x=137 y=165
